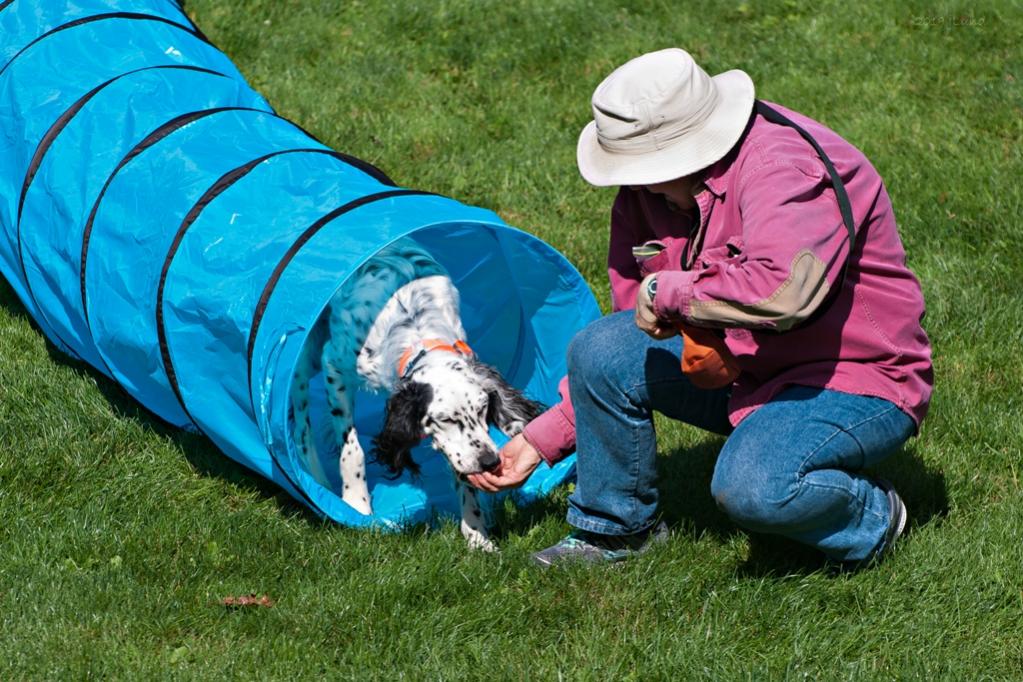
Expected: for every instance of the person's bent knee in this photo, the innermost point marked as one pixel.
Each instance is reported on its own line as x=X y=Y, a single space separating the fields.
x=597 y=348
x=754 y=506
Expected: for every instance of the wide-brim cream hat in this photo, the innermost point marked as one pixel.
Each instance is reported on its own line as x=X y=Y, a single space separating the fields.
x=659 y=117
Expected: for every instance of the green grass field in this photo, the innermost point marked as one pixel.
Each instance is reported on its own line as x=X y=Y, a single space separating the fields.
x=120 y=536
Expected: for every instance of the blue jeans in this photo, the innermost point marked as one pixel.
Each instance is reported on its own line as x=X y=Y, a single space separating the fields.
x=793 y=467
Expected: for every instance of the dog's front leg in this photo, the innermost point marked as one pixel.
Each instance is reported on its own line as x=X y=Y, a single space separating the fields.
x=353 y=473
x=355 y=490
x=474 y=530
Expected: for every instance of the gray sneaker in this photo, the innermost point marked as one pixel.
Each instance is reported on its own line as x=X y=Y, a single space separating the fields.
x=593 y=548
x=896 y=520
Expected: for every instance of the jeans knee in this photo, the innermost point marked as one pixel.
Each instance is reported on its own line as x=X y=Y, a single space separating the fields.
x=747 y=503
x=594 y=353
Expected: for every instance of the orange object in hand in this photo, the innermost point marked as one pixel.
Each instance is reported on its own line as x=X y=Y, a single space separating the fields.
x=706 y=360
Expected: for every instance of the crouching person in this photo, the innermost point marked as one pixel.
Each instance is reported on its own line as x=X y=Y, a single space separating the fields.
x=761 y=248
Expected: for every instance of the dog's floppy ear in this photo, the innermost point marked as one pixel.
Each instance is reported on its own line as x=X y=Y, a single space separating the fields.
x=403 y=427
x=508 y=407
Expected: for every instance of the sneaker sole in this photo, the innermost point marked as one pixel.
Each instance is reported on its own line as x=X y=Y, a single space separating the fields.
x=900 y=523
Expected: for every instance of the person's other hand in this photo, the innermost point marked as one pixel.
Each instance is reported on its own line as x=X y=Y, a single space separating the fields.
x=518 y=460
x=646 y=318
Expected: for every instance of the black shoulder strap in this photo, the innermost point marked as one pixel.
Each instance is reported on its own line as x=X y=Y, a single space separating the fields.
x=844 y=206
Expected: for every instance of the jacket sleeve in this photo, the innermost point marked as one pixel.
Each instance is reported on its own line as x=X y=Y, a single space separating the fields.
x=553 y=432
x=793 y=247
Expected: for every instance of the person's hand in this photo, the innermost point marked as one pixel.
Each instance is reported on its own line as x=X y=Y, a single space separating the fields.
x=646 y=318
x=518 y=460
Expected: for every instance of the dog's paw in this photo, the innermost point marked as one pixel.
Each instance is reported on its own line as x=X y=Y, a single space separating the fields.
x=482 y=544
x=358 y=503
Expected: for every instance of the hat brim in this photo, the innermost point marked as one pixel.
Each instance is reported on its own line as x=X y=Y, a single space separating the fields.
x=692 y=153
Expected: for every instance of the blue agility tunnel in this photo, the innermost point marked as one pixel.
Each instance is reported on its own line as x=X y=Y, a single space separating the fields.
x=160 y=222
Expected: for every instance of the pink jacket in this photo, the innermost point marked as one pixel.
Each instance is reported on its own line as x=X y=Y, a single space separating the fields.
x=762 y=256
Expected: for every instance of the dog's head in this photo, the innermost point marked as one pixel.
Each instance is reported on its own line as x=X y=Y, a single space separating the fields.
x=451 y=399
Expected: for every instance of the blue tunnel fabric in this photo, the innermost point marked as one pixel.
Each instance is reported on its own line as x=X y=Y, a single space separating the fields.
x=162 y=223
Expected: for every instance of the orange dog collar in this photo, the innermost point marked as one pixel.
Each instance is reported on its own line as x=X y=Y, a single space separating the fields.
x=425 y=346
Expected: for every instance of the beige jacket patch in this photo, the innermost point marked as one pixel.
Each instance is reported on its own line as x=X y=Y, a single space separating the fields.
x=791 y=303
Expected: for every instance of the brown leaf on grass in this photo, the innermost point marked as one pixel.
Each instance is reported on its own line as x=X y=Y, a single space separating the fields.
x=248 y=600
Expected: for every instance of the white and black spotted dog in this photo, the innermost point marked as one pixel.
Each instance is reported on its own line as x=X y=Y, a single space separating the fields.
x=414 y=349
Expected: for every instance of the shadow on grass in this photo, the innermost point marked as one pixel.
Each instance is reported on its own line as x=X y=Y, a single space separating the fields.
x=684 y=484
x=686 y=503
x=519 y=519
x=200 y=452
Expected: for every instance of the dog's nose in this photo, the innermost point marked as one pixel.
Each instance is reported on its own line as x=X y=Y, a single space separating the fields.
x=489 y=461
